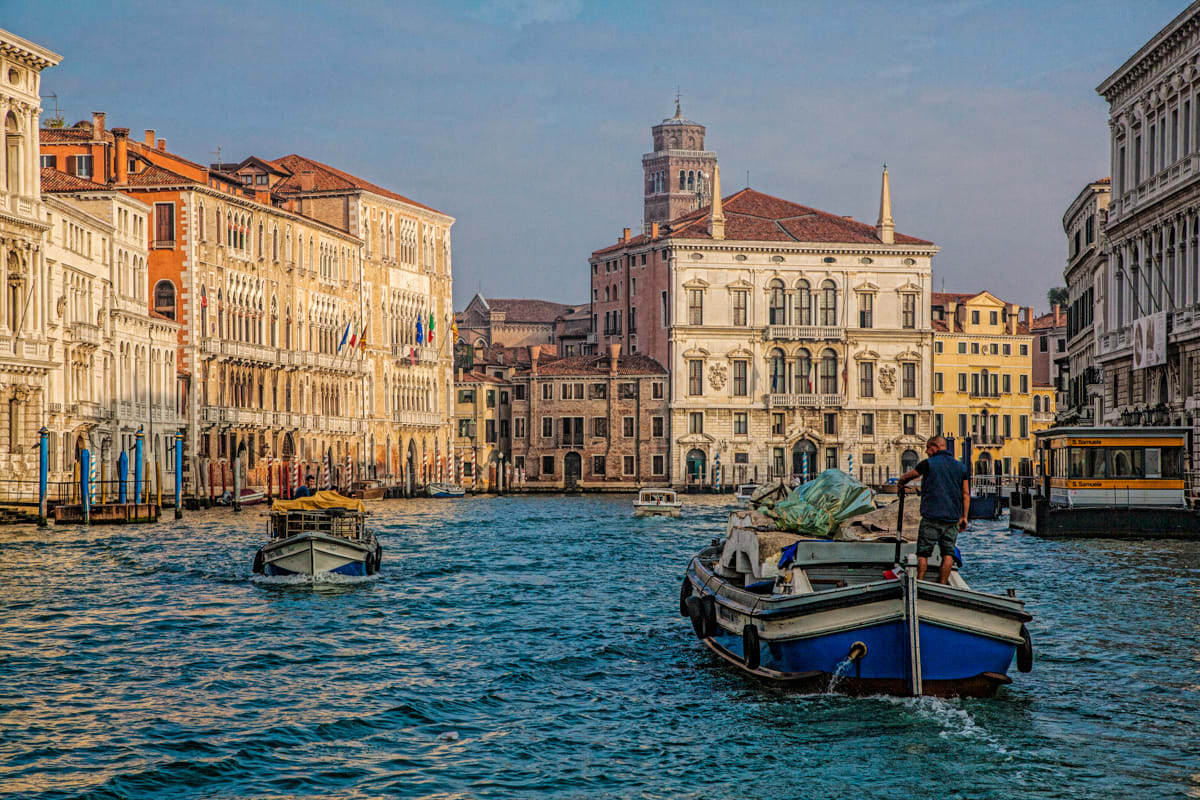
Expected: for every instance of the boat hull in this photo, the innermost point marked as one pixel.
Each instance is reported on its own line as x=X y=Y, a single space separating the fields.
x=1037 y=516
x=656 y=510
x=968 y=639
x=444 y=490
x=317 y=554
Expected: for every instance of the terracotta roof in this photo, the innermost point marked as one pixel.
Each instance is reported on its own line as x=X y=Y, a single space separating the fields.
x=478 y=377
x=941 y=298
x=531 y=310
x=55 y=181
x=1103 y=180
x=636 y=364
x=54 y=135
x=754 y=216
x=330 y=179
x=1049 y=321
x=155 y=175
x=939 y=325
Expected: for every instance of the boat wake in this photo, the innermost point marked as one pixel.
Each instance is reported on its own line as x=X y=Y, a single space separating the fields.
x=954 y=721
x=322 y=579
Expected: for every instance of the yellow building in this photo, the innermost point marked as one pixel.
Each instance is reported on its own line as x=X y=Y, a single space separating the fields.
x=983 y=380
x=482 y=415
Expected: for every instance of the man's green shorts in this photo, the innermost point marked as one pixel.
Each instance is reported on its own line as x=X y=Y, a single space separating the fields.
x=936 y=531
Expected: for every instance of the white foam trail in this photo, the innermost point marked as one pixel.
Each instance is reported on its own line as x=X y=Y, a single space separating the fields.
x=312 y=580
x=955 y=721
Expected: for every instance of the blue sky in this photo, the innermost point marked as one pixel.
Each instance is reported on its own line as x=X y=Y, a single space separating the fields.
x=526 y=119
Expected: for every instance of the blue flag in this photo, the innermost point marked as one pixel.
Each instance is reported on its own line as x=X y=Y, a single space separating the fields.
x=345 y=335
x=420 y=331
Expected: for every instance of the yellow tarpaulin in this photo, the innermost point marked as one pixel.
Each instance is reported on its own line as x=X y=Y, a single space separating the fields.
x=318 y=502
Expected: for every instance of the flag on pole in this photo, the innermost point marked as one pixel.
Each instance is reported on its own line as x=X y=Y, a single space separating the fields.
x=412 y=356
x=345 y=334
x=362 y=336
x=431 y=327
x=453 y=330
x=353 y=337
x=420 y=331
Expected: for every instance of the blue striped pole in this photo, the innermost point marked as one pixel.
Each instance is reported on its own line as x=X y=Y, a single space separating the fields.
x=43 y=473
x=85 y=475
x=138 y=444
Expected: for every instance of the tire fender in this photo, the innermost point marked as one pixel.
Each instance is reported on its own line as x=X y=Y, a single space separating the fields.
x=695 y=611
x=259 y=562
x=1025 y=651
x=751 y=650
x=685 y=591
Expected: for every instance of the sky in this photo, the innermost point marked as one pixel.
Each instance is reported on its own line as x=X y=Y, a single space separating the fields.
x=526 y=120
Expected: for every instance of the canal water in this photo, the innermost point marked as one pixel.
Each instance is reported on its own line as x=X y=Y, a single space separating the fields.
x=531 y=647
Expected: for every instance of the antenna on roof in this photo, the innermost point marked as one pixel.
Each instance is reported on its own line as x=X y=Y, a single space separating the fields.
x=747 y=179
x=217 y=153
x=57 y=120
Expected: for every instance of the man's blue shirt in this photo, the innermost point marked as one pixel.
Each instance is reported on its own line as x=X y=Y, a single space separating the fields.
x=942 y=477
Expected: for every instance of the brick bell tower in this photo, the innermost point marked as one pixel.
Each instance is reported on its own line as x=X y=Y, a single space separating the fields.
x=679 y=172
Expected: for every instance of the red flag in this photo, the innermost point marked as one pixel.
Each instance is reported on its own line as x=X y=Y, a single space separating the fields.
x=412 y=356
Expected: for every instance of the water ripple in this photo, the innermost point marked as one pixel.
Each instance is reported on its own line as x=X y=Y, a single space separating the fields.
x=516 y=647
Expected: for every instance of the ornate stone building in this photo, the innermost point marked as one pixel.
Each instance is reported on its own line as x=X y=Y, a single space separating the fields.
x=1086 y=275
x=795 y=339
x=1153 y=228
x=678 y=173
x=115 y=370
x=486 y=323
x=26 y=301
x=298 y=289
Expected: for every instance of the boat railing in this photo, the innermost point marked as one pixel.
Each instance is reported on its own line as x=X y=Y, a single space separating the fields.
x=347 y=525
x=1191 y=487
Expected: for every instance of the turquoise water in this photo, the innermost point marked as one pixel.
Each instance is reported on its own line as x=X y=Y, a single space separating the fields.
x=531 y=647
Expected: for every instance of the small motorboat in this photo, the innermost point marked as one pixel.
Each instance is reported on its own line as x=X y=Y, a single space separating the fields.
x=445 y=490
x=657 y=503
x=744 y=492
x=322 y=534
x=821 y=615
x=367 y=490
x=249 y=497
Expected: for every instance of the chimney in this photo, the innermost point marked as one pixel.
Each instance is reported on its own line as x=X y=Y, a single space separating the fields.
x=653 y=230
x=149 y=140
x=306 y=180
x=533 y=359
x=1028 y=316
x=98 y=118
x=885 y=228
x=717 y=218
x=162 y=145
x=121 y=137
x=625 y=235
x=1012 y=318
x=614 y=353
x=460 y=374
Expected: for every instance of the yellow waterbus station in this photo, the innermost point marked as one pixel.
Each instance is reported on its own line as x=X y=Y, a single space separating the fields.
x=1108 y=482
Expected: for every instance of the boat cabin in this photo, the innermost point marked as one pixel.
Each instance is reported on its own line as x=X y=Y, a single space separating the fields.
x=657 y=497
x=325 y=512
x=1136 y=466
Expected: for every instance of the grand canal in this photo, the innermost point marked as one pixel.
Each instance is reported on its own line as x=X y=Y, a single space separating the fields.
x=530 y=647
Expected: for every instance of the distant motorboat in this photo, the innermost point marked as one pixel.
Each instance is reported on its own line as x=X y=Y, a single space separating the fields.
x=322 y=534
x=367 y=490
x=249 y=497
x=744 y=492
x=445 y=490
x=657 y=503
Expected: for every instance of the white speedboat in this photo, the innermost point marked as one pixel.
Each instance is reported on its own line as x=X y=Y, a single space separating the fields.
x=445 y=490
x=657 y=503
x=322 y=534
x=744 y=492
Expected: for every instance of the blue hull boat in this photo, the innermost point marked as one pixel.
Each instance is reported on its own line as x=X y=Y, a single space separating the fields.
x=842 y=616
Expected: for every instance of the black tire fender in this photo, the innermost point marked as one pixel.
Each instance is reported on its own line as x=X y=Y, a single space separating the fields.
x=259 y=562
x=708 y=604
x=685 y=591
x=695 y=610
x=1025 y=651
x=751 y=650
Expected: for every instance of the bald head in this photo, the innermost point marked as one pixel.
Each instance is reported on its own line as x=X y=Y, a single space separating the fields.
x=936 y=442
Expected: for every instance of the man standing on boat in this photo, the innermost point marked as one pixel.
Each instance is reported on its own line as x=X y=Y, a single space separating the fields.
x=945 y=501
x=308 y=489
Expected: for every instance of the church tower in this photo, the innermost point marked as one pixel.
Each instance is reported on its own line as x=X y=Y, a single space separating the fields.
x=679 y=172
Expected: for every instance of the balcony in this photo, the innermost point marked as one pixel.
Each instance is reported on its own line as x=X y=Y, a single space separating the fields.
x=1043 y=416
x=403 y=353
x=791 y=333
x=164 y=244
x=85 y=334
x=93 y=411
x=425 y=419
x=805 y=400
x=988 y=440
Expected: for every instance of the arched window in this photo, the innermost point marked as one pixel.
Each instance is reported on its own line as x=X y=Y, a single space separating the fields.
x=12 y=152
x=682 y=180
x=200 y=220
x=908 y=460
x=778 y=372
x=803 y=304
x=829 y=372
x=803 y=372
x=776 y=309
x=16 y=291
x=260 y=240
x=203 y=311
x=691 y=180
x=1037 y=404
x=828 y=303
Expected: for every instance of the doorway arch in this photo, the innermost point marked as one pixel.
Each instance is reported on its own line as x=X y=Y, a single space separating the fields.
x=572 y=469
x=908 y=460
x=696 y=463
x=804 y=459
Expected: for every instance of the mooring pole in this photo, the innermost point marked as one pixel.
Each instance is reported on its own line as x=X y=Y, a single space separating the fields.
x=237 y=482
x=43 y=474
x=179 y=474
x=85 y=464
x=123 y=478
x=138 y=464
x=914 y=632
